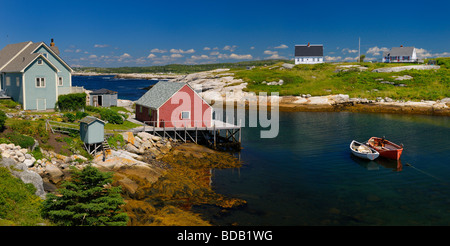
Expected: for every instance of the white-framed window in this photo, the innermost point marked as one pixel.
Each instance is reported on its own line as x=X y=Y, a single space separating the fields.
x=8 y=81
x=40 y=82
x=185 y=115
x=17 y=81
x=60 y=81
x=39 y=62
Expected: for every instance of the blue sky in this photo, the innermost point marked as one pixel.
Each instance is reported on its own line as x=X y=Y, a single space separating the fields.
x=144 y=33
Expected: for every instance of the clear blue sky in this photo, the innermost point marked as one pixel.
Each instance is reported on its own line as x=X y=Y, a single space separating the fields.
x=144 y=33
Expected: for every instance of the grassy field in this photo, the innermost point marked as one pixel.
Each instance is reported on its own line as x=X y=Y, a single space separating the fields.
x=329 y=78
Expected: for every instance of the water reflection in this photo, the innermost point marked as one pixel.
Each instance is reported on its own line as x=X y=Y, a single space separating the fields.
x=395 y=165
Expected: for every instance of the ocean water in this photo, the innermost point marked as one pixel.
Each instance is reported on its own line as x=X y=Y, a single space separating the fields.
x=128 y=89
x=307 y=175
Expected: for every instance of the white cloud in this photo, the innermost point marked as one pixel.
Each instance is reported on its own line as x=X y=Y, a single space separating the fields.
x=423 y=53
x=92 y=56
x=350 y=58
x=273 y=55
x=206 y=48
x=230 y=48
x=78 y=51
x=176 y=55
x=347 y=50
x=151 y=56
x=269 y=52
x=333 y=58
x=282 y=46
x=252 y=48
x=199 y=57
x=124 y=56
x=180 y=51
x=241 y=57
x=214 y=53
x=101 y=45
x=156 y=50
x=375 y=51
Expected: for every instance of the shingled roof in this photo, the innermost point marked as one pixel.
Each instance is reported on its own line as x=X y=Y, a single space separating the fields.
x=309 y=50
x=159 y=94
x=399 y=51
x=17 y=57
x=103 y=91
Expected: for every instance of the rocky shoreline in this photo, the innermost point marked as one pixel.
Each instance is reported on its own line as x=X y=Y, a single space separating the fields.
x=160 y=178
x=220 y=86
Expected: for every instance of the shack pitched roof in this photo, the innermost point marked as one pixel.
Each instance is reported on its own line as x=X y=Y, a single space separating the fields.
x=309 y=50
x=90 y=119
x=159 y=94
x=103 y=91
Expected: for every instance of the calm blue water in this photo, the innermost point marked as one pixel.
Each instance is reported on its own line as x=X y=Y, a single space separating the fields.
x=307 y=176
x=129 y=89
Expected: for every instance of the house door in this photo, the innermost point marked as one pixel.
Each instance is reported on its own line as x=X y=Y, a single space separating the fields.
x=100 y=100
x=41 y=104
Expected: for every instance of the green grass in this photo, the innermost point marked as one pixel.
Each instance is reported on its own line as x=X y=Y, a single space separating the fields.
x=18 y=203
x=323 y=79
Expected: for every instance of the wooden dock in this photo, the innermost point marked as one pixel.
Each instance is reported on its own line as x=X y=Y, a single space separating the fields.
x=218 y=135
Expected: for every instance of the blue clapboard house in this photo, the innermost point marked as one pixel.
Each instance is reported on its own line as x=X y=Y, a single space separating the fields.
x=34 y=75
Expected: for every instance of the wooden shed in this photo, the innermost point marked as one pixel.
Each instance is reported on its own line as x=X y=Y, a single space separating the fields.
x=92 y=130
x=103 y=98
x=169 y=104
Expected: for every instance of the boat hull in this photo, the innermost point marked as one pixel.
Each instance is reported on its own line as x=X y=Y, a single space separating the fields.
x=386 y=148
x=371 y=155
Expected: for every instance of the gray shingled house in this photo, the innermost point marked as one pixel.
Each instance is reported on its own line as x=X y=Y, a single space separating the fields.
x=400 y=54
x=309 y=54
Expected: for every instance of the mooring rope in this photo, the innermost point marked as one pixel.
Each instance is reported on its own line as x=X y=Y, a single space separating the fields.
x=428 y=174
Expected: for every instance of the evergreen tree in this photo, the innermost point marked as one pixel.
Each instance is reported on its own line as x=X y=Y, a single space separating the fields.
x=87 y=199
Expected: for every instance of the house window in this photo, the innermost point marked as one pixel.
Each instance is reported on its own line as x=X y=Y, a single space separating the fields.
x=17 y=81
x=39 y=62
x=140 y=109
x=60 y=81
x=45 y=55
x=40 y=82
x=150 y=113
x=8 y=81
x=185 y=115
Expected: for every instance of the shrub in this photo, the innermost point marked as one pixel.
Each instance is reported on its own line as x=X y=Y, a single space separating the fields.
x=87 y=199
x=71 y=102
x=111 y=116
x=80 y=115
x=69 y=117
x=19 y=139
x=2 y=119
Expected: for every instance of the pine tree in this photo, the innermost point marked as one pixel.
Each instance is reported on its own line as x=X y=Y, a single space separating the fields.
x=87 y=199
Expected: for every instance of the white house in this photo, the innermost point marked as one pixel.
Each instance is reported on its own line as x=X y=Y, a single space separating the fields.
x=400 y=54
x=309 y=54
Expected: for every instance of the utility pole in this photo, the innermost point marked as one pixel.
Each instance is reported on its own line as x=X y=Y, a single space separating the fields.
x=359 y=49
